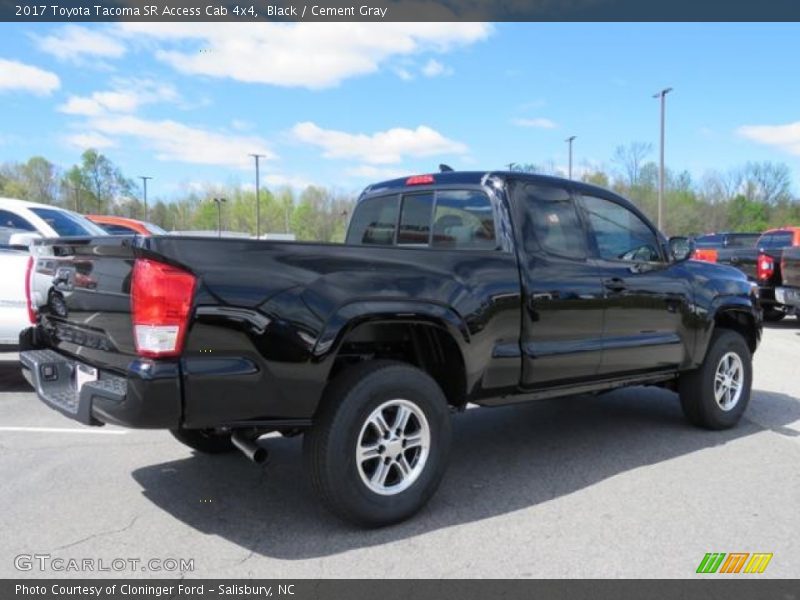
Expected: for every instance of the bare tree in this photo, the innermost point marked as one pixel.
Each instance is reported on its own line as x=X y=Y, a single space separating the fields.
x=766 y=182
x=630 y=159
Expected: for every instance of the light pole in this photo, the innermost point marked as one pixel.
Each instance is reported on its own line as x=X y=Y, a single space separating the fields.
x=569 y=141
x=77 y=191
x=144 y=179
x=258 y=197
x=218 y=202
x=663 y=95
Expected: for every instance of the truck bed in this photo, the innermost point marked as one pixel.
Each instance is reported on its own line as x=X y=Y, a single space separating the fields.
x=267 y=316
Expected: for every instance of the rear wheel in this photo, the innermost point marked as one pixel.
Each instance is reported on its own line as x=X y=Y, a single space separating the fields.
x=379 y=445
x=715 y=395
x=207 y=441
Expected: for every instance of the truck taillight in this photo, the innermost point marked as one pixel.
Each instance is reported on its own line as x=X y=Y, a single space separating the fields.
x=28 y=295
x=161 y=300
x=765 y=267
x=706 y=254
x=420 y=180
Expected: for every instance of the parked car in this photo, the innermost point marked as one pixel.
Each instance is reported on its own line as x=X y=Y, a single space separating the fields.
x=771 y=246
x=455 y=288
x=124 y=226
x=788 y=293
x=14 y=260
x=45 y=220
x=729 y=248
x=20 y=223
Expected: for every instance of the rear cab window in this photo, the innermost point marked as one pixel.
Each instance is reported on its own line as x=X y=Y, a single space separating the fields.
x=440 y=219
x=775 y=240
x=739 y=240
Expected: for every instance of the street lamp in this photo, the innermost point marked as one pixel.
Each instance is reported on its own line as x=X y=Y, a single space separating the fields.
x=144 y=179
x=218 y=202
x=662 y=94
x=569 y=141
x=258 y=199
x=75 y=188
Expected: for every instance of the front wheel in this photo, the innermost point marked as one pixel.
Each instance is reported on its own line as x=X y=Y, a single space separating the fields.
x=715 y=395
x=379 y=445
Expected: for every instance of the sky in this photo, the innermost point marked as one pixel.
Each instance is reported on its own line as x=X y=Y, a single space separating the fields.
x=344 y=104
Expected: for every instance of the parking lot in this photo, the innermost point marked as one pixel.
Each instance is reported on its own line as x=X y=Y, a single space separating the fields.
x=617 y=485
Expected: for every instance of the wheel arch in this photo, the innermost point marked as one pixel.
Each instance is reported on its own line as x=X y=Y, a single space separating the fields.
x=426 y=335
x=738 y=317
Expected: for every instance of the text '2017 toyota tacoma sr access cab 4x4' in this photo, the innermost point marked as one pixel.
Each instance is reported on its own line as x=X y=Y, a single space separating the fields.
x=454 y=288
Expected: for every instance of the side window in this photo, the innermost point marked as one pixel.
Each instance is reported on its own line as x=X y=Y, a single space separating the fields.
x=415 y=219
x=463 y=220
x=11 y=221
x=374 y=221
x=554 y=222
x=619 y=234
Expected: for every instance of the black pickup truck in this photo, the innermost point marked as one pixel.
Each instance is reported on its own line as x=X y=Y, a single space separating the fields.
x=735 y=249
x=771 y=246
x=455 y=288
x=788 y=293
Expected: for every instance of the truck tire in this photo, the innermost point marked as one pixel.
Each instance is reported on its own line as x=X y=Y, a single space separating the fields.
x=773 y=315
x=379 y=444
x=207 y=441
x=715 y=395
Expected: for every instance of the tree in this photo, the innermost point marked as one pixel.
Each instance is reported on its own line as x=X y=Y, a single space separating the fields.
x=36 y=180
x=101 y=180
x=630 y=159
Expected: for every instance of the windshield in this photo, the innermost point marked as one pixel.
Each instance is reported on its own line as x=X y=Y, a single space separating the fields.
x=154 y=229
x=66 y=223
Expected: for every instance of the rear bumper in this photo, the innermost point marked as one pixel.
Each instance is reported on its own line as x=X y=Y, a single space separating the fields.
x=148 y=396
x=788 y=296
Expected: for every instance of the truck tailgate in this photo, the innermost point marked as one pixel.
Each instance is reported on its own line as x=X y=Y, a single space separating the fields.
x=790 y=267
x=81 y=289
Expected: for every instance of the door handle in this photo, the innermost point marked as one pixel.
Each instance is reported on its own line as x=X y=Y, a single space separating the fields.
x=615 y=284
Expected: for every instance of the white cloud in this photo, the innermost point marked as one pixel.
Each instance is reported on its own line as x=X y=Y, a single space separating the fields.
x=433 y=68
x=539 y=123
x=311 y=55
x=786 y=137
x=404 y=74
x=174 y=141
x=17 y=76
x=127 y=96
x=95 y=140
x=278 y=180
x=73 y=43
x=383 y=147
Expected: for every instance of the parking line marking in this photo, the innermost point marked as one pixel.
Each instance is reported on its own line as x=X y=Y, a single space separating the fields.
x=62 y=430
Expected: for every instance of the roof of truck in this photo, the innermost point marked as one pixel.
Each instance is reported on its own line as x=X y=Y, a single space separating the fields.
x=448 y=178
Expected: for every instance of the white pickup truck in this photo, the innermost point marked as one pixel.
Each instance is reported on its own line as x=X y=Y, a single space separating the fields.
x=20 y=223
x=13 y=303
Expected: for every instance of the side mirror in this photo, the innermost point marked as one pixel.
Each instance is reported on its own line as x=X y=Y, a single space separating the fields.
x=680 y=248
x=23 y=240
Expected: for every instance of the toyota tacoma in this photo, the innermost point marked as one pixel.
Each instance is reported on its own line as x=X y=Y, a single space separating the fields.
x=450 y=289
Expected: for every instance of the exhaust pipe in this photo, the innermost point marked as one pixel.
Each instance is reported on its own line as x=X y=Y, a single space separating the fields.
x=249 y=447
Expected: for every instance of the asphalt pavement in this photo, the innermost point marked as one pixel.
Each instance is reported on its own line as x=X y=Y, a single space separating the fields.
x=617 y=485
